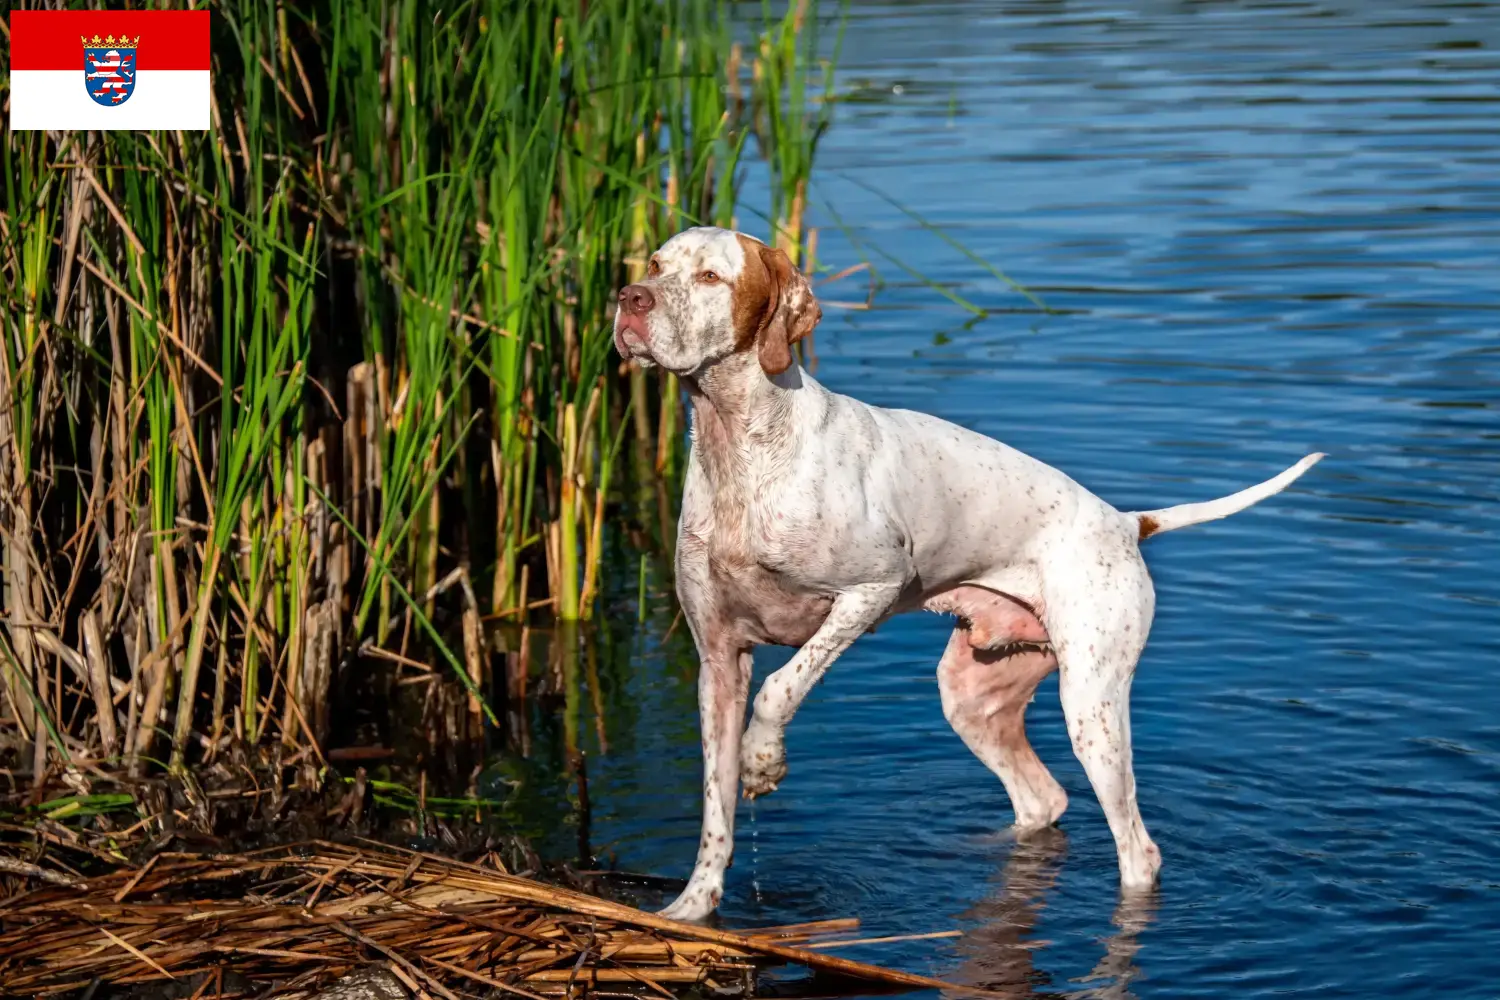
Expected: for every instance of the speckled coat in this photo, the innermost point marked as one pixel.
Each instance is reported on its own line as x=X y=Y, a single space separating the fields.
x=808 y=517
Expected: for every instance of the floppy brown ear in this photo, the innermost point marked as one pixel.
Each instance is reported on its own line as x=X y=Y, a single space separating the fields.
x=791 y=311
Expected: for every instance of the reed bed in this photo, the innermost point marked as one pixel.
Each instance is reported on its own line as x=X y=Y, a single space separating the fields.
x=291 y=920
x=331 y=383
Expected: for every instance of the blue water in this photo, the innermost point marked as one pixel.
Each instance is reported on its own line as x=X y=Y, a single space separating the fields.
x=1266 y=229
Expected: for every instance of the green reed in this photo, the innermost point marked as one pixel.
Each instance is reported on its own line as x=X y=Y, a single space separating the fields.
x=333 y=381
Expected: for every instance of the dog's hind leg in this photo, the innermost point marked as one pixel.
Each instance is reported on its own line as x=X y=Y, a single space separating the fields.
x=985 y=694
x=1099 y=606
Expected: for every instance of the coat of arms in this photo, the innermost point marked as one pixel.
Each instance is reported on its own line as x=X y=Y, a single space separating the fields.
x=109 y=68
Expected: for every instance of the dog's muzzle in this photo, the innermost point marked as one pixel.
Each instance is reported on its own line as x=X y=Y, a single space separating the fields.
x=636 y=302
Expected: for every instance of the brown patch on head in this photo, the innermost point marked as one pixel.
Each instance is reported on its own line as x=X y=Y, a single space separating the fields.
x=754 y=295
x=773 y=305
x=1149 y=527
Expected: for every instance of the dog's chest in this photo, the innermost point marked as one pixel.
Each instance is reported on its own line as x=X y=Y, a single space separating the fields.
x=752 y=549
x=768 y=607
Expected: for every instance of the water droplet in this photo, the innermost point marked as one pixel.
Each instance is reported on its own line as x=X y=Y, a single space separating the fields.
x=754 y=856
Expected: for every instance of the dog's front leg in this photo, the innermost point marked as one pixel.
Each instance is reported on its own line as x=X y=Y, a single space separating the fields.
x=763 y=749
x=723 y=686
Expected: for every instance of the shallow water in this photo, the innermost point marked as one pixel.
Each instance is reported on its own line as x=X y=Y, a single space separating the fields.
x=1268 y=229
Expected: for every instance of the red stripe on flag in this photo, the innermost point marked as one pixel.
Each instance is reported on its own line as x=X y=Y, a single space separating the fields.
x=50 y=39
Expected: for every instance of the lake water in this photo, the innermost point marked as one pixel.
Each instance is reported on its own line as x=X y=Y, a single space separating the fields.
x=1267 y=229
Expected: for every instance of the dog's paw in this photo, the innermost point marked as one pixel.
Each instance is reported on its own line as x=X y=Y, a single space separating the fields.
x=694 y=905
x=762 y=762
x=763 y=780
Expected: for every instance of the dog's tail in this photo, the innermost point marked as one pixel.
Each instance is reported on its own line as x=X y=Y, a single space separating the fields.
x=1154 y=522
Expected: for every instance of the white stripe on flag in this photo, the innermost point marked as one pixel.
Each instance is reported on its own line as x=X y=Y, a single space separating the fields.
x=56 y=99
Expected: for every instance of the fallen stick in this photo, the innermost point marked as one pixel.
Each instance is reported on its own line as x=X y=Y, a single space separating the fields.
x=892 y=939
x=30 y=870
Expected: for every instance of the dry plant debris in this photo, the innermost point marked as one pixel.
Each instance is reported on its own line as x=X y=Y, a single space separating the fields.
x=295 y=919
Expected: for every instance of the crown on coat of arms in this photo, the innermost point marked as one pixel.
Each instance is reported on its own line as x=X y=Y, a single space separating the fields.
x=111 y=41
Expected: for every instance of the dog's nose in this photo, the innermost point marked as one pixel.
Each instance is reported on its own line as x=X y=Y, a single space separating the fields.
x=637 y=299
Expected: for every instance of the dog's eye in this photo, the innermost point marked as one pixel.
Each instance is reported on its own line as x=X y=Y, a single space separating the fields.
x=653 y=268
x=708 y=277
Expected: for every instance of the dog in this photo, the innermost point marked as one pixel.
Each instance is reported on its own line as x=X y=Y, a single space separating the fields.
x=809 y=517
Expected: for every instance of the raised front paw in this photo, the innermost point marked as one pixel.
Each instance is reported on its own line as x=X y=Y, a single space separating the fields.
x=762 y=762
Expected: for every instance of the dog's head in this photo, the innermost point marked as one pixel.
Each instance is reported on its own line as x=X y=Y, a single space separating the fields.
x=709 y=293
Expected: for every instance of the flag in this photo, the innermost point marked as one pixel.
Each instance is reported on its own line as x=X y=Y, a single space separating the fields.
x=86 y=69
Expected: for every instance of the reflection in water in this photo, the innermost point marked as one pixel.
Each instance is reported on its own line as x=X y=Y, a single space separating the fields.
x=998 y=949
x=1133 y=914
x=998 y=952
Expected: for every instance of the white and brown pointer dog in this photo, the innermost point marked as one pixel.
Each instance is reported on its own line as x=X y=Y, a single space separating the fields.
x=809 y=517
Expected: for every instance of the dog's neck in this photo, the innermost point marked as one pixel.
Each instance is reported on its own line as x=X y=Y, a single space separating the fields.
x=740 y=412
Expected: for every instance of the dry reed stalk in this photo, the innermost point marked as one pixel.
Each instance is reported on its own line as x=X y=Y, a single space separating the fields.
x=99 y=688
x=474 y=657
